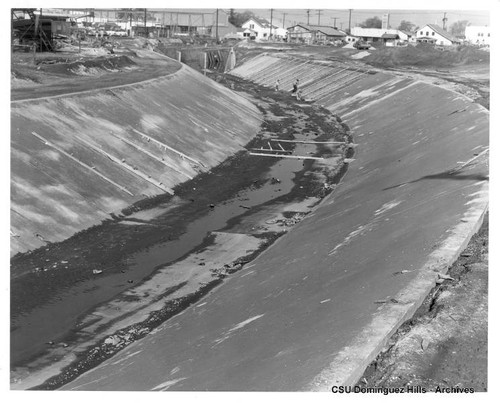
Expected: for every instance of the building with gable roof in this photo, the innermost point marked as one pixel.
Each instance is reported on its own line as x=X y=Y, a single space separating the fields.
x=388 y=36
x=434 y=34
x=263 y=29
x=314 y=34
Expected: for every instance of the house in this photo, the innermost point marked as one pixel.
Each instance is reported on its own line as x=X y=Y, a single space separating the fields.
x=477 y=35
x=262 y=28
x=325 y=34
x=390 y=37
x=300 y=33
x=246 y=33
x=434 y=34
x=314 y=34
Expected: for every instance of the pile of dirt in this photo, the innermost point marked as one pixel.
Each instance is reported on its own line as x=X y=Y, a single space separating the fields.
x=19 y=79
x=427 y=56
x=92 y=66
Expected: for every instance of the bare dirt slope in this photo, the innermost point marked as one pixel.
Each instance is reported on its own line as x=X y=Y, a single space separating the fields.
x=446 y=343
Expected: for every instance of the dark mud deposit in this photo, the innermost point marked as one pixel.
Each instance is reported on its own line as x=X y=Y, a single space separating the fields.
x=54 y=287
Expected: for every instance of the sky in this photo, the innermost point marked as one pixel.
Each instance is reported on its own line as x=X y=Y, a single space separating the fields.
x=292 y=11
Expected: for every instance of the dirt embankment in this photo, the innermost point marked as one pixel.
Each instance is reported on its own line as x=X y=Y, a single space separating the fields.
x=426 y=56
x=464 y=69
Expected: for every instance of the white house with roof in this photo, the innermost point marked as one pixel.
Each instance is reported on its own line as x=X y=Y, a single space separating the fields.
x=390 y=37
x=478 y=35
x=434 y=34
x=314 y=34
x=263 y=29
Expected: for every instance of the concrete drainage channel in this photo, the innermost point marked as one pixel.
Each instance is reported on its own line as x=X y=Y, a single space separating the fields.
x=392 y=195
x=177 y=271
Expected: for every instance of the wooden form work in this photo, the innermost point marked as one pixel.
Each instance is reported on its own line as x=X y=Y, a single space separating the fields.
x=282 y=153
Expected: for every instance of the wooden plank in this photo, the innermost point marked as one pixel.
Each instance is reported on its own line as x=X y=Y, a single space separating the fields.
x=297 y=157
x=266 y=149
x=311 y=142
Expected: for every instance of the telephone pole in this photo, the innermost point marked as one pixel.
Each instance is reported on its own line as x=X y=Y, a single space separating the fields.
x=319 y=16
x=350 y=12
x=444 y=21
x=217 y=27
x=271 y=25
x=334 y=21
x=308 y=11
x=284 y=14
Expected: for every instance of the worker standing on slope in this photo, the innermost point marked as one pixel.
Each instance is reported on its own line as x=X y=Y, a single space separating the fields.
x=295 y=87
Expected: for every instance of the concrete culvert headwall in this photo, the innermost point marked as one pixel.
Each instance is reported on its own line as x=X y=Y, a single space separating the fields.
x=78 y=158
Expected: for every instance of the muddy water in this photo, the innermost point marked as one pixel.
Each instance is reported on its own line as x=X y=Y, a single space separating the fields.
x=55 y=320
x=218 y=217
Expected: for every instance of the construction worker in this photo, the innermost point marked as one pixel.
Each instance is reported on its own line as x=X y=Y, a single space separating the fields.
x=295 y=87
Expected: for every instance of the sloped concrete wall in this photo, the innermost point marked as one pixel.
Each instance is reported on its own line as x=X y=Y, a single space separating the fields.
x=411 y=199
x=76 y=159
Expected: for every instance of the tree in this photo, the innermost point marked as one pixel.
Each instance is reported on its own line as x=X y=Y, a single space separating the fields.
x=407 y=26
x=238 y=19
x=373 y=22
x=458 y=28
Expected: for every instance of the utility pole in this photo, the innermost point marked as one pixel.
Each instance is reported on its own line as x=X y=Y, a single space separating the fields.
x=271 y=26
x=350 y=12
x=319 y=16
x=217 y=27
x=334 y=22
x=284 y=14
x=444 y=21
x=308 y=11
x=145 y=28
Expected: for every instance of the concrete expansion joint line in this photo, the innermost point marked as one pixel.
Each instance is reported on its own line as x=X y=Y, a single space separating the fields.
x=128 y=167
x=88 y=167
x=182 y=155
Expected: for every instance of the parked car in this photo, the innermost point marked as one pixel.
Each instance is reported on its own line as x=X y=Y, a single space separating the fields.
x=362 y=45
x=117 y=32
